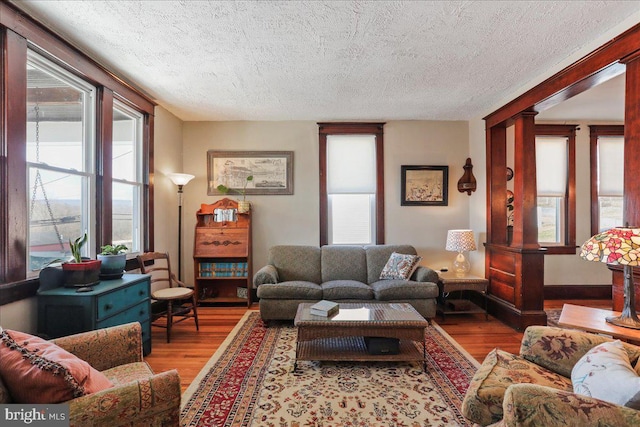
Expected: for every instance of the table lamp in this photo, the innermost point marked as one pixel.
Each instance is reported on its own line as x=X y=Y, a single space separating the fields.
x=460 y=241
x=618 y=246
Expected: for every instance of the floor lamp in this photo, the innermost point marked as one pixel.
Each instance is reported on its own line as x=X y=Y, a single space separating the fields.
x=180 y=179
x=618 y=246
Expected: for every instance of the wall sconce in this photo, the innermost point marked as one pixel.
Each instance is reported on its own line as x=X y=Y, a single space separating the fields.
x=467 y=182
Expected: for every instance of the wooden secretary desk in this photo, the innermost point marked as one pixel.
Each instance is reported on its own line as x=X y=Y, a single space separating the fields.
x=222 y=254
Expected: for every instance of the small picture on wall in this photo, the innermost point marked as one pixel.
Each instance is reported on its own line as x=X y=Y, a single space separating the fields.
x=424 y=185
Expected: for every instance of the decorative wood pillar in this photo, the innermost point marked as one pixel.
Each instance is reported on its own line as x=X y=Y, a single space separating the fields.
x=631 y=165
x=516 y=271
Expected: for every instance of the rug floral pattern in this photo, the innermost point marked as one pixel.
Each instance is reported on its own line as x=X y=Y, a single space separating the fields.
x=252 y=383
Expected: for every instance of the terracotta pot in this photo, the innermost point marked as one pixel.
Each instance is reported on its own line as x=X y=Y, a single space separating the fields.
x=82 y=273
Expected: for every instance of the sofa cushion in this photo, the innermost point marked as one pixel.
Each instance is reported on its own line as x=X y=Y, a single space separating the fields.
x=606 y=373
x=560 y=349
x=390 y=290
x=482 y=403
x=400 y=266
x=295 y=289
x=378 y=255
x=341 y=262
x=296 y=262
x=346 y=289
x=38 y=371
x=5 y=397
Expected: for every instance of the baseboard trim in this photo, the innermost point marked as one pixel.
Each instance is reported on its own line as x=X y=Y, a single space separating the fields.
x=513 y=317
x=577 y=292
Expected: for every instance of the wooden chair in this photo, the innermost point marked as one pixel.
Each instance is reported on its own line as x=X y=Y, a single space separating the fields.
x=165 y=286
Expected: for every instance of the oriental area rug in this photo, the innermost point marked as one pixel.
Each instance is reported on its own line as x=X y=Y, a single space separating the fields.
x=250 y=382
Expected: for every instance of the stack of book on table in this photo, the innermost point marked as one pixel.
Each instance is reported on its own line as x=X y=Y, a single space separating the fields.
x=324 y=308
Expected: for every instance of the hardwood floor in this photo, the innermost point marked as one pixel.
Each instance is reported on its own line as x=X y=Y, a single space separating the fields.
x=190 y=350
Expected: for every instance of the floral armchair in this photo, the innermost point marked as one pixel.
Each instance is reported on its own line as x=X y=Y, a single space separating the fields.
x=138 y=396
x=534 y=388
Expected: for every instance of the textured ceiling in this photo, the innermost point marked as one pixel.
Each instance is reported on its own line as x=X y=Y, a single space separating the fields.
x=330 y=60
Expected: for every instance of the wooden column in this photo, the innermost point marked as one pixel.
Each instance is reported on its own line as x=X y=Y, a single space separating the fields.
x=631 y=166
x=515 y=272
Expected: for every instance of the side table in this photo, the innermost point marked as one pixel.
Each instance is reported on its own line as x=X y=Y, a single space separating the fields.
x=449 y=282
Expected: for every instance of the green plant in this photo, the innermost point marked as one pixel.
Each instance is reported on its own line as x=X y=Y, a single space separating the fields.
x=76 y=248
x=224 y=189
x=113 y=250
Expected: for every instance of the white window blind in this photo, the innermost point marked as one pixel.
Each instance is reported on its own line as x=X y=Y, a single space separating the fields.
x=351 y=188
x=610 y=165
x=351 y=164
x=551 y=166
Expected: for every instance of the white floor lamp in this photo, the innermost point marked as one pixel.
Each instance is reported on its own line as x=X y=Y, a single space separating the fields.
x=180 y=179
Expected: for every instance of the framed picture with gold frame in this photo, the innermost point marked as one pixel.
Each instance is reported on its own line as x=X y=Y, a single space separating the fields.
x=424 y=185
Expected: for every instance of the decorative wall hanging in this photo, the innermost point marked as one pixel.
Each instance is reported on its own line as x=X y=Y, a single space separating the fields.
x=272 y=172
x=467 y=181
x=424 y=185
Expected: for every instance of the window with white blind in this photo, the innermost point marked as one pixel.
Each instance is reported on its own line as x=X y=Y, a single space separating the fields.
x=555 y=183
x=351 y=183
x=351 y=188
x=551 y=178
x=610 y=181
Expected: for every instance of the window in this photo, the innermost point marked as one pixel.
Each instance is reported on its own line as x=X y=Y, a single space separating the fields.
x=127 y=187
x=61 y=174
x=60 y=161
x=607 y=176
x=555 y=181
x=351 y=177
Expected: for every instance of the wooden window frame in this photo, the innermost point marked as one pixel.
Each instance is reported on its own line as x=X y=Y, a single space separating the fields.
x=569 y=238
x=596 y=131
x=18 y=33
x=376 y=129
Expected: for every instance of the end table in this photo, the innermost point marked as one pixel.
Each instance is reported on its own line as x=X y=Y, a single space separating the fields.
x=450 y=282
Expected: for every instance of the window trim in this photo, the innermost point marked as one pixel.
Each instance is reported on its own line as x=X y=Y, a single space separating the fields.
x=19 y=32
x=325 y=129
x=596 y=131
x=569 y=132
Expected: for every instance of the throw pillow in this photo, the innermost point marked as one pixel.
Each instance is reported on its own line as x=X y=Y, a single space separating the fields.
x=400 y=266
x=38 y=371
x=605 y=373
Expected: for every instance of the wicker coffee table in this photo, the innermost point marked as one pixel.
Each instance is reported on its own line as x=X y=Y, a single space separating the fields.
x=341 y=337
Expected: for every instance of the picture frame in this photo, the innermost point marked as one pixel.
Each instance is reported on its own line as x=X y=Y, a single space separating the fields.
x=272 y=172
x=424 y=185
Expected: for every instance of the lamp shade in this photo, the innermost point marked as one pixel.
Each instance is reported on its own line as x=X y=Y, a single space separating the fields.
x=619 y=245
x=180 y=178
x=460 y=241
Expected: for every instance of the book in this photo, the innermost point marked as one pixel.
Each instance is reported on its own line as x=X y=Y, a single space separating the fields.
x=324 y=308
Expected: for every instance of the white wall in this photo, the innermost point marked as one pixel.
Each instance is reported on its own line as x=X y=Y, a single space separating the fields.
x=168 y=152
x=295 y=219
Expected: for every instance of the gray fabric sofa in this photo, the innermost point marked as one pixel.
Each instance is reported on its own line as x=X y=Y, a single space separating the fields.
x=298 y=274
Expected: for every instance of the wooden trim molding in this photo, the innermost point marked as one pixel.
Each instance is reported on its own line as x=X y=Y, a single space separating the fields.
x=565 y=292
x=325 y=129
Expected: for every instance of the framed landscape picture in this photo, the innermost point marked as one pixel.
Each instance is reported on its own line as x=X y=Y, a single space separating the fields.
x=272 y=171
x=424 y=185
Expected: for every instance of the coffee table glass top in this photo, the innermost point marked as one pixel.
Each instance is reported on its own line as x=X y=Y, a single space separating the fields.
x=363 y=312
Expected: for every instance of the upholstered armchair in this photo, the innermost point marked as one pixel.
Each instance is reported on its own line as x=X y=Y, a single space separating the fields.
x=534 y=388
x=138 y=396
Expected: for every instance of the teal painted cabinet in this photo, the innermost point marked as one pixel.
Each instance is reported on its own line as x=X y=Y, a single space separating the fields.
x=63 y=311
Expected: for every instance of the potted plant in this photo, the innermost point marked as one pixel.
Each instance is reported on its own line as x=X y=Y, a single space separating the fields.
x=243 y=205
x=80 y=271
x=114 y=259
